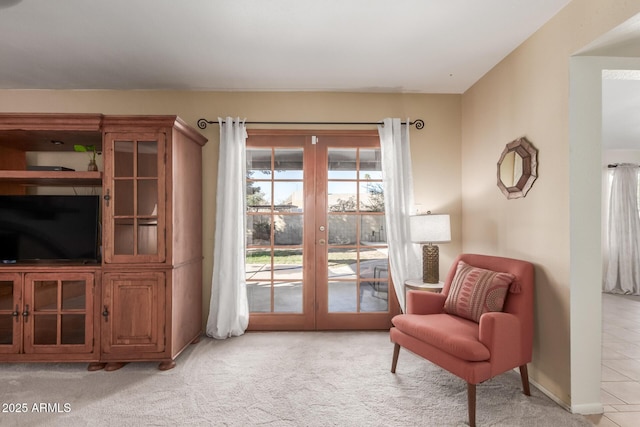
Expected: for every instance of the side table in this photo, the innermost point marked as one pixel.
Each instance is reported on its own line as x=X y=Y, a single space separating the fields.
x=419 y=285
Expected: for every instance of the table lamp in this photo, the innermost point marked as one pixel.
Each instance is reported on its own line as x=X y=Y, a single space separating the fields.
x=427 y=230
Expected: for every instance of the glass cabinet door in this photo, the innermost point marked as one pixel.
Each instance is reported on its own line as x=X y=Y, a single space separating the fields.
x=59 y=312
x=10 y=312
x=134 y=202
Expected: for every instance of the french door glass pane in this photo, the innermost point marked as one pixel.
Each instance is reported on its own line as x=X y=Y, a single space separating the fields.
x=258 y=264
x=371 y=196
x=374 y=263
x=287 y=297
x=372 y=230
x=288 y=196
x=342 y=163
x=258 y=196
x=259 y=163
x=258 y=230
x=288 y=163
x=343 y=196
x=342 y=229
x=343 y=297
x=287 y=264
x=343 y=263
x=370 y=164
x=374 y=296
x=288 y=230
x=259 y=296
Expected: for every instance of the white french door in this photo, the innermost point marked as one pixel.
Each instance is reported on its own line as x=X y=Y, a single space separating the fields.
x=317 y=254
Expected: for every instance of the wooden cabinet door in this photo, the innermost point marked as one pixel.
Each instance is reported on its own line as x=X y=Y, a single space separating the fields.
x=133 y=319
x=10 y=313
x=58 y=313
x=134 y=197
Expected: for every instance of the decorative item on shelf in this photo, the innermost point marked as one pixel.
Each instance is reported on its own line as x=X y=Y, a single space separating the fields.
x=517 y=168
x=427 y=230
x=91 y=149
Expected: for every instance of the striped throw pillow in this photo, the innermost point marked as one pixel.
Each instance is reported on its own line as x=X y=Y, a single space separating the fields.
x=475 y=291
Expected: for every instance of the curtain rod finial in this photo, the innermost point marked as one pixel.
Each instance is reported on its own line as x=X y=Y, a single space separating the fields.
x=419 y=124
x=202 y=123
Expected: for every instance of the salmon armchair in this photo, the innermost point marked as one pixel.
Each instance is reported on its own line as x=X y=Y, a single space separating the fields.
x=479 y=326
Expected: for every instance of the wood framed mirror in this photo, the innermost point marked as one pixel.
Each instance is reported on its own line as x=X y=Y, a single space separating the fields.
x=517 y=168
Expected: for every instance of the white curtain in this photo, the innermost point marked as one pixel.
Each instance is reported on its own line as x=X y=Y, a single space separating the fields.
x=397 y=183
x=229 y=308
x=623 y=269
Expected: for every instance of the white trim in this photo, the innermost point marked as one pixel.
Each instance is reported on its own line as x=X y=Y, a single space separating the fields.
x=588 y=409
x=582 y=409
x=585 y=181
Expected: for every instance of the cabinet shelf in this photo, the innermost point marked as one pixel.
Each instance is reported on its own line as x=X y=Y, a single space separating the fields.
x=52 y=178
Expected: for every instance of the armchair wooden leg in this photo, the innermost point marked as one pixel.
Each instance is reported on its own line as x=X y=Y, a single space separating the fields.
x=524 y=375
x=471 y=402
x=396 y=352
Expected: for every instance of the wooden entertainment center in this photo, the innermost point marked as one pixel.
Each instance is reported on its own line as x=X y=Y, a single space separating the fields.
x=143 y=300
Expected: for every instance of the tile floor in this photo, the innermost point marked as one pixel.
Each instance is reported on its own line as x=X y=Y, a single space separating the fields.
x=620 y=362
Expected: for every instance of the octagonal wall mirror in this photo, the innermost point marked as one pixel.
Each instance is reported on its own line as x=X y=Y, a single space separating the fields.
x=517 y=168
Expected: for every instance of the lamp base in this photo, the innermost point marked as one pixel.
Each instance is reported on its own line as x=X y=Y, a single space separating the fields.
x=430 y=264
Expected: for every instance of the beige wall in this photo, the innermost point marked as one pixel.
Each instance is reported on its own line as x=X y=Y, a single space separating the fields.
x=527 y=94
x=435 y=149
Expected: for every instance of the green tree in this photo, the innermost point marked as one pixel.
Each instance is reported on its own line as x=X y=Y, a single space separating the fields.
x=254 y=197
x=342 y=205
x=375 y=202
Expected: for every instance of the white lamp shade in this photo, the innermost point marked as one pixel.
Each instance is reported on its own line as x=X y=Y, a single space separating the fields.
x=430 y=228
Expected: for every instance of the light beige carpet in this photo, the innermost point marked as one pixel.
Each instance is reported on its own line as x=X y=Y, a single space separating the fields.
x=272 y=379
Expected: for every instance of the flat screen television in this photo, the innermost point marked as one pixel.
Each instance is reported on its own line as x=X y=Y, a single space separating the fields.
x=36 y=228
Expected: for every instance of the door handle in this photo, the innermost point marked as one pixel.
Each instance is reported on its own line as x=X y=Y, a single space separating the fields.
x=322 y=241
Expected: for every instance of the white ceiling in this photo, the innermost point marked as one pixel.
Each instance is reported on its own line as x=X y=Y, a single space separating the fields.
x=421 y=46
x=424 y=46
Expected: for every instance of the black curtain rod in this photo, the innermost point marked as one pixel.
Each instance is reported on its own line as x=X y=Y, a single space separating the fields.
x=615 y=165
x=419 y=123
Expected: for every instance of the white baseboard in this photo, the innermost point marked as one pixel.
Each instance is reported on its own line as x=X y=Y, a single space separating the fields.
x=583 y=409
x=588 y=409
x=550 y=395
